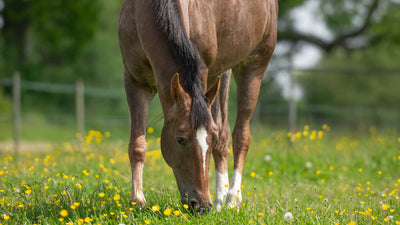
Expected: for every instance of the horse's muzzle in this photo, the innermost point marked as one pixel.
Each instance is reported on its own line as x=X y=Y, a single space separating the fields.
x=196 y=206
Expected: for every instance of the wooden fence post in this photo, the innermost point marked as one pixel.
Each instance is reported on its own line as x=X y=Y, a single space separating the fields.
x=292 y=96
x=16 y=110
x=80 y=107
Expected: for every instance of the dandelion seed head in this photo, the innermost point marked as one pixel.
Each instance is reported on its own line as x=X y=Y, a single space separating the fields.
x=288 y=216
x=267 y=158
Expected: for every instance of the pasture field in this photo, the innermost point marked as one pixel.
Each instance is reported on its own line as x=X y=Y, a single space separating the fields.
x=315 y=176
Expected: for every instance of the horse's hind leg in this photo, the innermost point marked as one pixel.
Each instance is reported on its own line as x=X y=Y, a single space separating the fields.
x=221 y=149
x=248 y=80
x=139 y=99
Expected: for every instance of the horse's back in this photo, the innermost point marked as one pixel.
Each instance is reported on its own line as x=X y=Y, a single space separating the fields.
x=224 y=32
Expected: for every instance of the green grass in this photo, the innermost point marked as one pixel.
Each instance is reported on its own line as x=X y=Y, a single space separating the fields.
x=324 y=179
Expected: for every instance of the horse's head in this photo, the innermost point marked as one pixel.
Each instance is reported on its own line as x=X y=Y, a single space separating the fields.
x=187 y=149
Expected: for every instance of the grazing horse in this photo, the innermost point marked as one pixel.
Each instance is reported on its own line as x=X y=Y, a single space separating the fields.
x=184 y=50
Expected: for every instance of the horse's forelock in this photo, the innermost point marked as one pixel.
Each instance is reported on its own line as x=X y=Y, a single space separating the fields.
x=199 y=115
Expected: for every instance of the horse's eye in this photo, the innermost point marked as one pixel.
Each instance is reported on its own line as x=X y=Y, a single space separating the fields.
x=180 y=140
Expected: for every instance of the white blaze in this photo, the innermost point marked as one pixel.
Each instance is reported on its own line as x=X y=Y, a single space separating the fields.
x=201 y=136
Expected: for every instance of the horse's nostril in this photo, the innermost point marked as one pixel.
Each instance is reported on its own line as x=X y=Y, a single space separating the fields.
x=193 y=203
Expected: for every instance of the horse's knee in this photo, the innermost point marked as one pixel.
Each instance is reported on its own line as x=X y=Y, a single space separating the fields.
x=137 y=149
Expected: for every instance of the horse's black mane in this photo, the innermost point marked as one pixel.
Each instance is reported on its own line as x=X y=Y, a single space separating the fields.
x=166 y=15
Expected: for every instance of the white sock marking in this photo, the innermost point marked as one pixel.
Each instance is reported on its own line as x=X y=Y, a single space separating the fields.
x=221 y=188
x=235 y=193
x=201 y=136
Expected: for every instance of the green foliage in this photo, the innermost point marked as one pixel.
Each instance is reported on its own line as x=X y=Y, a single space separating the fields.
x=47 y=33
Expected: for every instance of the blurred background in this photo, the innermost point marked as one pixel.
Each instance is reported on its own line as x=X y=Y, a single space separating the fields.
x=336 y=63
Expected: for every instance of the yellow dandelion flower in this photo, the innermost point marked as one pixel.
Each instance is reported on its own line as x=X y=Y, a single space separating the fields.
x=318 y=172
x=77 y=204
x=88 y=220
x=392 y=210
x=308 y=208
x=251 y=221
x=373 y=217
x=260 y=214
x=185 y=206
x=101 y=194
x=117 y=197
x=362 y=202
x=107 y=134
x=28 y=191
x=167 y=212
x=270 y=173
x=147 y=221
x=64 y=213
x=155 y=208
x=177 y=212
x=252 y=174
x=6 y=217
x=320 y=134
x=352 y=223
x=385 y=207
x=73 y=207
x=150 y=130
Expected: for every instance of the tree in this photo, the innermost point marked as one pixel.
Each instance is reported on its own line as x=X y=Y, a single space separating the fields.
x=41 y=32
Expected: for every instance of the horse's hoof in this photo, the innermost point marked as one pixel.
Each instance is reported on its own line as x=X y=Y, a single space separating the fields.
x=138 y=201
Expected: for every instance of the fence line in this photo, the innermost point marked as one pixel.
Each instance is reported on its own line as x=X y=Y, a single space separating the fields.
x=65 y=88
x=81 y=91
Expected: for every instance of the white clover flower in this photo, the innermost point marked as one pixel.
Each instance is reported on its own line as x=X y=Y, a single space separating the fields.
x=288 y=216
x=309 y=165
x=267 y=158
x=390 y=218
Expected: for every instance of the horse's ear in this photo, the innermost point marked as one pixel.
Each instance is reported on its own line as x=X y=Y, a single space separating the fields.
x=213 y=91
x=178 y=94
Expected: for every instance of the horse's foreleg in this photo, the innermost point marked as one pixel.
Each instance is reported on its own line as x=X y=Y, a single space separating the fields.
x=248 y=85
x=139 y=99
x=221 y=150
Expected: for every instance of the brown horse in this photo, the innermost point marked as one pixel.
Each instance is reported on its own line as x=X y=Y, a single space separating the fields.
x=178 y=48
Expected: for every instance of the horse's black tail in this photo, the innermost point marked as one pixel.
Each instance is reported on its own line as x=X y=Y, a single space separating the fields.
x=166 y=15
